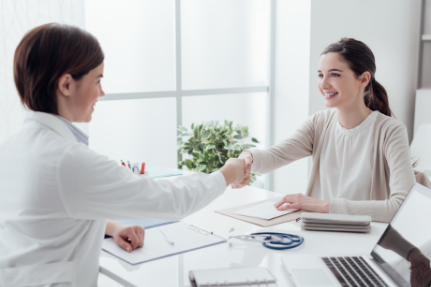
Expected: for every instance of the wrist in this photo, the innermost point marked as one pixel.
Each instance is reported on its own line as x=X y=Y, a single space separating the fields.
x=326 y=206
x=112 y=227
x=227 y=173
x=410 y=253
x=246 y=154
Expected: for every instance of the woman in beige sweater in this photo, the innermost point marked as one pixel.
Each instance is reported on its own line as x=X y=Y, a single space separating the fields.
x=361 y=159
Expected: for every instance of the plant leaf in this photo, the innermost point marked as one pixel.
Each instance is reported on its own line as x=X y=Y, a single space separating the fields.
x=206 y=134
x=210 y=146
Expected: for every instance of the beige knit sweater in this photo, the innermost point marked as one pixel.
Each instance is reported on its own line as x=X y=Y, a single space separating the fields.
x=392 y=176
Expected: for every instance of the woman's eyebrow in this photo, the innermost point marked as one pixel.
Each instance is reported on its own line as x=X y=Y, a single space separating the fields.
x=100 y=76
x=319 y=71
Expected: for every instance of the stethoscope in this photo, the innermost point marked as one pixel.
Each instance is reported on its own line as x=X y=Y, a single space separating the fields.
x=272 y=240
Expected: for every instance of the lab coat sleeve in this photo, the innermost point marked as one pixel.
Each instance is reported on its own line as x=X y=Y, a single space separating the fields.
x=92 y=186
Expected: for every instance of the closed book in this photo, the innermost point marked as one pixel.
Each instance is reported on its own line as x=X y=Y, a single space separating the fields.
x=335 y=222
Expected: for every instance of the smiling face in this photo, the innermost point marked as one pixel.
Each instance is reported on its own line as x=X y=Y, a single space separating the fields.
x=338 y=84
x=83 y=95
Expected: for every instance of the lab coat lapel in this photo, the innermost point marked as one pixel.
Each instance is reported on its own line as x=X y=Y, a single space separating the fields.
x=53 y=123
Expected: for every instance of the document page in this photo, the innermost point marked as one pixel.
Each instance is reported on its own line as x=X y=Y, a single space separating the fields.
x=156 y=246
x=264 y=210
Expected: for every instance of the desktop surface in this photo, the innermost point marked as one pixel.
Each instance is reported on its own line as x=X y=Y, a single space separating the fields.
x=173 y=271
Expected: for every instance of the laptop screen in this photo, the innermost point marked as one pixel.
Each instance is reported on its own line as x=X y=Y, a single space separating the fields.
x=404 y=250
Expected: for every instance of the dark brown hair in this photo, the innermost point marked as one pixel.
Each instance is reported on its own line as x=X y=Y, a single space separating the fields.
x=45 y=54
x=360 y=59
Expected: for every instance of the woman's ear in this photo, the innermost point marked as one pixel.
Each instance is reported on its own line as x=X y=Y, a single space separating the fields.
x=64 y=85
x=364 y=80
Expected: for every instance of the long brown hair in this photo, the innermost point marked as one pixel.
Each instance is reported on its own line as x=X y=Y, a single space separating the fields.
x=361 y=59
x=47 y=52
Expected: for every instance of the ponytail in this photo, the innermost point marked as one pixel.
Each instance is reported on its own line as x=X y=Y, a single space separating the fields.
x=360 y=59
x=376 y=98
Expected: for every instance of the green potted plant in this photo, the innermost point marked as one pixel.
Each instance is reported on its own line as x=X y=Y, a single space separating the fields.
x=210 y=144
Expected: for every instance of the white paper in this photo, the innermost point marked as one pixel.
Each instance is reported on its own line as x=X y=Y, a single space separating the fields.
x=264 y=210
x=156 y=246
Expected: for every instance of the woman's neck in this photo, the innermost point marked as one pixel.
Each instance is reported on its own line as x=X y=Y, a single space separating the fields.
x=350 y=118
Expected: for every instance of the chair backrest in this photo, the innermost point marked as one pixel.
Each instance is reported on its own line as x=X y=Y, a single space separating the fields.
x=423 y=179
x=421 y=148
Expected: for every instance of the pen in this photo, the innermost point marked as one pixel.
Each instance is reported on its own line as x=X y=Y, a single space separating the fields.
x=171 y=242
x=135 y=168
x=122 y=162
x=200 y=228
x=143 y=168
x=128 y=164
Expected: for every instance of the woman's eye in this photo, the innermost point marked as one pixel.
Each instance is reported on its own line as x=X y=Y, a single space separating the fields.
x=335 y=75
x=320 y=76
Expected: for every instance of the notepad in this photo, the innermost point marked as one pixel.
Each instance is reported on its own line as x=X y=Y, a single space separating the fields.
x=156 y=246
x=254 y=276
x=265 y=210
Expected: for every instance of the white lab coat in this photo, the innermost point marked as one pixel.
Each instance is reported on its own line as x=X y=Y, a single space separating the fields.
x=56 y=195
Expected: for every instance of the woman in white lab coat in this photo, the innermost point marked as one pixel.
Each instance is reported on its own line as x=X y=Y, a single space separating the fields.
x=56 y=193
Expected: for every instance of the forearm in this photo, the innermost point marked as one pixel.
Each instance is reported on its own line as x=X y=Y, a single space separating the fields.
x=379 y=210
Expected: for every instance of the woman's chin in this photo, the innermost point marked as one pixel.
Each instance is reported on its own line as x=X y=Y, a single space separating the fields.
x=330 y=104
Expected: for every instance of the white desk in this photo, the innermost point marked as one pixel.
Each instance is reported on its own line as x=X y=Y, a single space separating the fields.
x=173 y=271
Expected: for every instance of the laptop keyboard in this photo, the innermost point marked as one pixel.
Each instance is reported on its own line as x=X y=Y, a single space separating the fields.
x=353 y=271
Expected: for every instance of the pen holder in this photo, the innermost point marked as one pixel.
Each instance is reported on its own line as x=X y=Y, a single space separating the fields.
x=146 y=174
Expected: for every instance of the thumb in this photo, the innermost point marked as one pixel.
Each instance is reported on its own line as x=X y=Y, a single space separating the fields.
x=125 y=244
x=289 y=206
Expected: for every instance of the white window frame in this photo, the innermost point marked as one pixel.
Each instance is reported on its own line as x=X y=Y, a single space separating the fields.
x=179 y=93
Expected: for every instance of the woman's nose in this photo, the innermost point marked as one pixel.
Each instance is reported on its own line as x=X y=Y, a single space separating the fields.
x=325 y=83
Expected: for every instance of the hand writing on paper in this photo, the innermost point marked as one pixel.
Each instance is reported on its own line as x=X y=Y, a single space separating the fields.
x=128 y=237
x=248 y=159
x=303 y=202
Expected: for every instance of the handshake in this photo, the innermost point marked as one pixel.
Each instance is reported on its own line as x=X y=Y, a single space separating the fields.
x=236 y=171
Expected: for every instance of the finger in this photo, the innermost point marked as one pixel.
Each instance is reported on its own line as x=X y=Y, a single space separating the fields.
x=124 y=244
x=247 y=166
x=139 y=231
x=132 y=237
x=141 y=236
x=283 y=207
x=289 y=206
x=279 y=203
x=244 y=182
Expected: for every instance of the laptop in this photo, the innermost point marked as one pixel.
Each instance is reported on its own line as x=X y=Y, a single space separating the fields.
x=407 y=236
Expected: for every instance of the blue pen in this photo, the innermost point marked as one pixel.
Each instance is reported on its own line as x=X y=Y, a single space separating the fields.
x=135 y=168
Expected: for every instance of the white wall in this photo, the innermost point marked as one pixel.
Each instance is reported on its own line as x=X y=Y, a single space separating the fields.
x=17 y=17
x=389 y=27
x=292 y=48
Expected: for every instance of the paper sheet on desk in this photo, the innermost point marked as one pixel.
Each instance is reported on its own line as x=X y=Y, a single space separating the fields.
x=161 y=172
x=265 y=210
x=156 y=246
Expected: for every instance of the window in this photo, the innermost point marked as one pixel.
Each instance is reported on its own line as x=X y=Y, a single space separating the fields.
x=172 y=62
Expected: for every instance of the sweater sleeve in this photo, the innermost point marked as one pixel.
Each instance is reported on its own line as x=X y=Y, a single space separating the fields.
x=298 y=146
x=401 y=180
